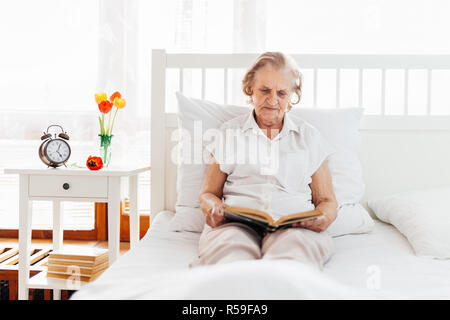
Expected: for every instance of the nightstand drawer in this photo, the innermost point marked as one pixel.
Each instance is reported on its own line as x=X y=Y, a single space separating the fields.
x=68 y=186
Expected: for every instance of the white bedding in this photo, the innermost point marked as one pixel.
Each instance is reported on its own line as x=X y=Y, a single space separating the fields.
x=376 y=265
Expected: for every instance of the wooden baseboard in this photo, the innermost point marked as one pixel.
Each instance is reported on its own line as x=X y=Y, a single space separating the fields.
x=100 y=231
x=48 y=234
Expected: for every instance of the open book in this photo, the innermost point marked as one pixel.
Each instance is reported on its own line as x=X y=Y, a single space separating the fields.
x=262 y=221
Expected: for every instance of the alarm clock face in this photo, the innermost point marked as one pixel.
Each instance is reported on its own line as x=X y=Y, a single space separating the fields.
x=57 y=151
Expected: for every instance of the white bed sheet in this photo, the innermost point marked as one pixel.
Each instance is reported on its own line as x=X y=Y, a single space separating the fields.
x=381 y=264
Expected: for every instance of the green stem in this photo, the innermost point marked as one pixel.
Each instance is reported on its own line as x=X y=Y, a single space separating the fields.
x=108 y=132
x=112 y=125
x=102 y=129
x=105 y=144
x=105 y=149
x=100 y=121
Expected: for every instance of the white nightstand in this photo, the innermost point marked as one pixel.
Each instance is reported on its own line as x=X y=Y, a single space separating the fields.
x=64 y=184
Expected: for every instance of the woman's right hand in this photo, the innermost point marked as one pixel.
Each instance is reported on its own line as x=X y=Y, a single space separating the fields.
x=210 y=196
x=214 y=215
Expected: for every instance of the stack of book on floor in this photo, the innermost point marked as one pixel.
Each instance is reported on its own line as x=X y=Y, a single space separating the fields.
x=77 y=263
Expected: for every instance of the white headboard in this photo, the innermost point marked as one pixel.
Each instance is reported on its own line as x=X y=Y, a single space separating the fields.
x=398 y=153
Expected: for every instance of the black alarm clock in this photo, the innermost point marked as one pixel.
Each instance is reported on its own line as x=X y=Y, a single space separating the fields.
x=54 y=151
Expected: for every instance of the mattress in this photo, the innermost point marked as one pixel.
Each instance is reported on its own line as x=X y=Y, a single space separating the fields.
x=380 y=264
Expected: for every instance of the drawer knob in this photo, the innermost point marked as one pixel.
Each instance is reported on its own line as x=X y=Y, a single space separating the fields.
x=66 y=186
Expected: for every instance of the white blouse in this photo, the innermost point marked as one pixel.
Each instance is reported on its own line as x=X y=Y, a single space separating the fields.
x=269 y=175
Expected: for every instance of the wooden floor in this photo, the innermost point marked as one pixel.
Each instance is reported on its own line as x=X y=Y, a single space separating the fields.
x=8 y=272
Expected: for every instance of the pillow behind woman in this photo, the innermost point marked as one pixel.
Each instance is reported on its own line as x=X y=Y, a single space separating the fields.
x=338 y=126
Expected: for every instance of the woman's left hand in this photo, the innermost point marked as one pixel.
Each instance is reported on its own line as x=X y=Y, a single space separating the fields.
x=319 y=224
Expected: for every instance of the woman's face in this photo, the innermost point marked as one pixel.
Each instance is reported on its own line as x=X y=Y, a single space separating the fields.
x=271 y=94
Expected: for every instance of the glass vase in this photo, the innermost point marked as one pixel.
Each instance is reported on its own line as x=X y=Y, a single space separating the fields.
x=105 y=149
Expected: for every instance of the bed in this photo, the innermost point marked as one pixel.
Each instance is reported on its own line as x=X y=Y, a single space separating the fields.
x=380 y=264
x=383 y=265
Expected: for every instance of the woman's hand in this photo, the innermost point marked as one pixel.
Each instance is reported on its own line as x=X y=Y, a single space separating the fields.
x=214 y=215
x=324 y=200
x=319 y=224
x=210 y=196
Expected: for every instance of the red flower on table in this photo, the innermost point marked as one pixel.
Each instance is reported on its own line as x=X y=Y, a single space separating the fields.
x=94 y=163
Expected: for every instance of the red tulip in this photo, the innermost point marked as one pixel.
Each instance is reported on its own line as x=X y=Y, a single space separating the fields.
x=94 y=163
x=105 y=106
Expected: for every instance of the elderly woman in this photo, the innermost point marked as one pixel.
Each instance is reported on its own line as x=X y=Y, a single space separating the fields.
x=300 y=182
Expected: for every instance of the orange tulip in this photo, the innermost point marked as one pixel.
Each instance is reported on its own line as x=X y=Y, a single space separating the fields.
x=99 y=97
x=119 y=103
x=94 y=163
x=105 y=106
x=114 y=96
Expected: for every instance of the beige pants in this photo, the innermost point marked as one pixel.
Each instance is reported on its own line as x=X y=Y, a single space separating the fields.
x=235 y=241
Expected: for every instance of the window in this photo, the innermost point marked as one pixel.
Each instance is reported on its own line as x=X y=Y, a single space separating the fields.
x=49 y=72
x=57 y=56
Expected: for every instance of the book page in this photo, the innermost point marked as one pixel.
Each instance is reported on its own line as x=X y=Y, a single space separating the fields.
x=251 y=213
x=291 y=218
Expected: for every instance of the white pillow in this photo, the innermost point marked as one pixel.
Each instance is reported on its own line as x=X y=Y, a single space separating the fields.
x=422 y=216
x=338 y=126
x=212 y=116
x=351 y=218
